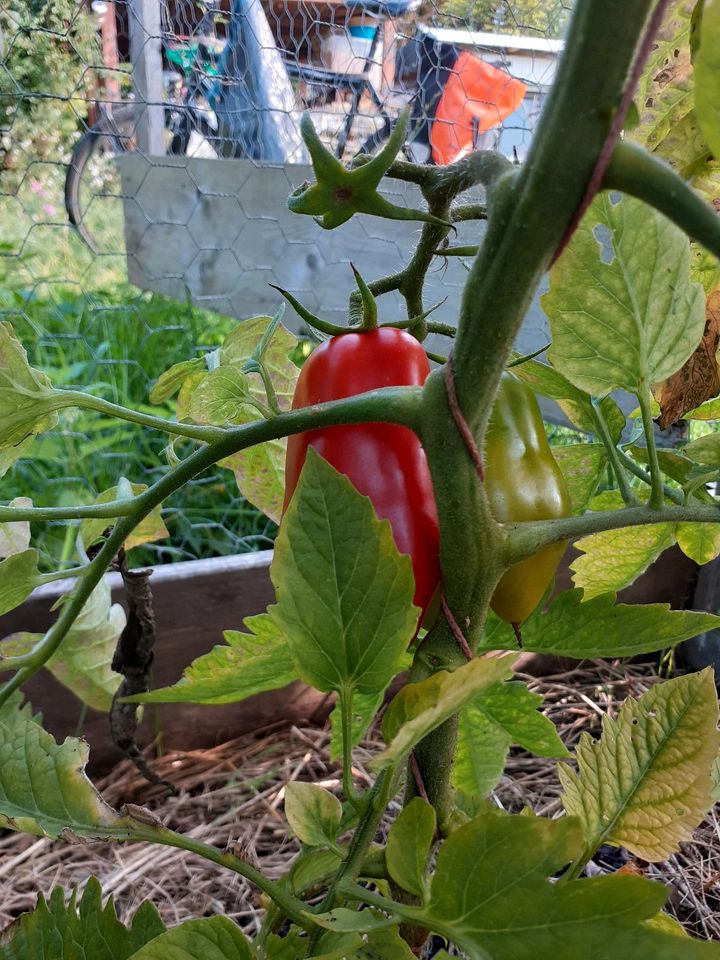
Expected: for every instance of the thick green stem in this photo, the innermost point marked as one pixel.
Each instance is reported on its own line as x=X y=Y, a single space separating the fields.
x=634 y=171
x=292 y=908
x=530 y=211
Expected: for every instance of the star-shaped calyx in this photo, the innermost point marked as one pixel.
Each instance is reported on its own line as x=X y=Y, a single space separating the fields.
x=339 y=192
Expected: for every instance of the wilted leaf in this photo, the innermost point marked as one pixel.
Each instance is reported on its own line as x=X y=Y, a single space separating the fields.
x=645 y=785
x=344 y=592
x=583 y=465
x=631 y=321
x=242 y=341
x=699 y=377
x=250 y=663
x=27 y=399
x=43 y=787
x=170 y=381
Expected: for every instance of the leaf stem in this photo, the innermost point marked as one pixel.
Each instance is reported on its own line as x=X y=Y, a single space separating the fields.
x=604 y=433
x=86 y=401
x=656 y=481
x=294 y=909
x=670 y=492
x=351 y=794
x=71 y=572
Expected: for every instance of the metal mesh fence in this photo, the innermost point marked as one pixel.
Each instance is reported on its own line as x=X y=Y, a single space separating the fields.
x=146 y=152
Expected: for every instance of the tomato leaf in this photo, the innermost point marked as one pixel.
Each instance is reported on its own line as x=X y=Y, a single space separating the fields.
x=150 y=528
x=313 y=813
x=19 y=575
x=613 y=559
x=421 y=707
x=599 y=627
x=83 y=662
x=629 y=322
x=15 y=535
x=583 y=465
x=646 y=784
x=81 y=929
x=170 y=381
x=491 y=897
x=247 y=664
x=482 y=750
x=344 y=593
x=408 y=846
x=27 y=399
x=212 y=938
x=707 y=73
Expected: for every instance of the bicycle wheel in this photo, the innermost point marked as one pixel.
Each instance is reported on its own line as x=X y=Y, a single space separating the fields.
x=92 y=185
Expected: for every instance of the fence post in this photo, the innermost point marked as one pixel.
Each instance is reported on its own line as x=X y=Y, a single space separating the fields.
x=146 y=57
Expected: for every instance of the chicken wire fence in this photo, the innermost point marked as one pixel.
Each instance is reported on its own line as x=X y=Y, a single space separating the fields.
x=146 y=153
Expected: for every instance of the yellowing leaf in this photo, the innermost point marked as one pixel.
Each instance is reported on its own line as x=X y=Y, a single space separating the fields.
x=646 y=784
x=630 y=321
x=615 y=558
x=15 y=535
x=150 y=529
x=699 y=541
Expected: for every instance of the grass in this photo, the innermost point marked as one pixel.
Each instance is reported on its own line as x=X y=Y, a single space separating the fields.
x=87 y=328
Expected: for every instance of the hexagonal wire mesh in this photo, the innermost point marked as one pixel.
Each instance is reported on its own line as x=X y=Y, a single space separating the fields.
x=126 y=113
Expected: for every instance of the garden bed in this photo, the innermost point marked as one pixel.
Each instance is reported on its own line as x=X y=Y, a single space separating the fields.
x=233 y=794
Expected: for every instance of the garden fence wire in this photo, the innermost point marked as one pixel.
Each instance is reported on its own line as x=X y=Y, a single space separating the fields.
x=169 y=128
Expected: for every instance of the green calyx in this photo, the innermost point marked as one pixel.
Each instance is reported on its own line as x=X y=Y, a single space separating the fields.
x=338 y=193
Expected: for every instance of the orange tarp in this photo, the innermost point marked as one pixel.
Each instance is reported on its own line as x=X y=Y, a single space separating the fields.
x=475 y=92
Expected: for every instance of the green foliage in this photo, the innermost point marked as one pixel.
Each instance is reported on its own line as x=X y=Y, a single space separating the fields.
x=539 y=18
x=84 y=662
x=629 y=322
x=409 y=844
x=79 y=929
x=575 y=625
x=249 y=663
x=344 y=593
x=213 y=938
x=44 y=80
x=313 y=813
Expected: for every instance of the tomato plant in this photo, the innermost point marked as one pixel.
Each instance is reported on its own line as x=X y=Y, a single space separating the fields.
x=620 y=217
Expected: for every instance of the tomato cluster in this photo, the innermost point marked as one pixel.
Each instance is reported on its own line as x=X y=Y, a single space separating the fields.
x=387 y=463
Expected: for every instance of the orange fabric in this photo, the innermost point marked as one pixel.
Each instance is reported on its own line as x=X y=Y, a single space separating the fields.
x=475 y=90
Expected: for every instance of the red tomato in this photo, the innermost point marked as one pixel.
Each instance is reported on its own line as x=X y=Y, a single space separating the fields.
x=385 y=462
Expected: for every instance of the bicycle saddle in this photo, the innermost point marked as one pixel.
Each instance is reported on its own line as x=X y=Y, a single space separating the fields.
x=388 y=9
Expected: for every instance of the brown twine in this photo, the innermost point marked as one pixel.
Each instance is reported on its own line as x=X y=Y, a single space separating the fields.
x=460 y=421
x=417 y=776
x=456 y=631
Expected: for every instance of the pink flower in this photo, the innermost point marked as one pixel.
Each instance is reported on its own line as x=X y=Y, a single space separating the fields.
x=49 y=209
x=37 y=187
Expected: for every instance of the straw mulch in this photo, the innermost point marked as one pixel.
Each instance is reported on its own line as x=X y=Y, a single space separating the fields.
x=233 y=796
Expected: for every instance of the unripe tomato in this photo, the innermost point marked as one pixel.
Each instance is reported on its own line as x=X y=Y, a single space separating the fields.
x=523 y=482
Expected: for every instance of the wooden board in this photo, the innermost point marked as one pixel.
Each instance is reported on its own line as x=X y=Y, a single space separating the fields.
x=195 y=601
